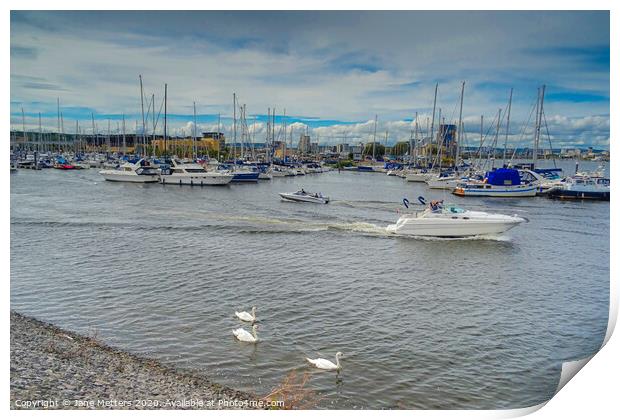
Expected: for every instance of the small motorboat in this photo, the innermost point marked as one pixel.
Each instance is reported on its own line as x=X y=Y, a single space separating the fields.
x=305 y=197
x=451 y=221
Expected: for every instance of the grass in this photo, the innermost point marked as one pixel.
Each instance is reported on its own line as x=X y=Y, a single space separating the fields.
x=294 y=393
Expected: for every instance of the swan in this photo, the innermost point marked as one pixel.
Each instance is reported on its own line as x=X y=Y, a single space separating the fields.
x=243 y=335
x=244 y=316
x=326 y=364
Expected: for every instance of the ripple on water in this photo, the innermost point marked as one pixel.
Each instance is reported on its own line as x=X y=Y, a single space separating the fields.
x=481 y=323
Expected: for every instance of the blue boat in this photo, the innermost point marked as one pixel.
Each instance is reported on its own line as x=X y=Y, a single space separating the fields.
x=502 y=182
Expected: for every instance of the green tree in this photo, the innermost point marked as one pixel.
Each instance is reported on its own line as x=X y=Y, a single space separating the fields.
x=379 y=150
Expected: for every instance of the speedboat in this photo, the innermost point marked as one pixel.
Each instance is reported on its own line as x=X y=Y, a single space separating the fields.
x=140 y=172
x=305 y=197
x=192 y=174
x=451 y=221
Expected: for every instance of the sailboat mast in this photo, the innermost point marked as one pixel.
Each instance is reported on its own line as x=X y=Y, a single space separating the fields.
x=459 y=133
x=433 y=121
x=499 y=118
x=219 y=155
x=24 y=128
x=415 y=141
x=539 y=111
x=124 y=139
x=41 y=133
x=165 y=119
x=153 y=100
x=234 y=126
x=374 y=138
x=143 y=121
x=58 y=114
x=507 y=127
x=92 y=116
x=194 y=136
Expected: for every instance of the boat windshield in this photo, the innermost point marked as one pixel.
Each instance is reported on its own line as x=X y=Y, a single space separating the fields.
x=452 y=208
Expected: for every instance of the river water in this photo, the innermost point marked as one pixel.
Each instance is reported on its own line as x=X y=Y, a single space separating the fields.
x=160 y=270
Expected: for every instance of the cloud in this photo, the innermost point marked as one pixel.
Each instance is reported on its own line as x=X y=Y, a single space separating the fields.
x=342 y=68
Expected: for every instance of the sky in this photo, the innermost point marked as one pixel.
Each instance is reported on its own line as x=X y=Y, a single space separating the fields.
x=331 y=72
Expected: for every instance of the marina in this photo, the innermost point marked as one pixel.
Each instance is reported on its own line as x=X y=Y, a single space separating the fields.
x=307 y=209
x=163 y=268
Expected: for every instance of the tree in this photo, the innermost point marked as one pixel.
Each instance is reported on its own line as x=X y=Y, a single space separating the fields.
x=400 y=148
x=379 y=150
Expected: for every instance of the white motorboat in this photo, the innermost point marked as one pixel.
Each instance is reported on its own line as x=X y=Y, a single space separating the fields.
x=305 y=197
x=192 y=174
x=140 y=172
x=451 y=221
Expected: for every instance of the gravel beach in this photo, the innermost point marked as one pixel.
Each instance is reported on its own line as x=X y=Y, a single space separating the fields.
x=56 y=369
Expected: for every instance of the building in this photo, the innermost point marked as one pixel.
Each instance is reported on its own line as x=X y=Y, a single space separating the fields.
x=217 y=137
x=304 y=144
x=342 y=148
x=356 y=151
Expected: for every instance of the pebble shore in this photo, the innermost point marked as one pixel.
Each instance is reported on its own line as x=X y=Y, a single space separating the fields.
x=55 y=369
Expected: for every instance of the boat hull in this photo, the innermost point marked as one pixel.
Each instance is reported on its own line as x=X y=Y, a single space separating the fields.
x=565 y=194
x=119 y=176
x=442 y=184
x=196 y=180
x=451 y=229
x=245 y=177
x=304 y=199
x=529 y=191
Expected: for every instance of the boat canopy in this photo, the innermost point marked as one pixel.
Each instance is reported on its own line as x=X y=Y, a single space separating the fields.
x=503 y=176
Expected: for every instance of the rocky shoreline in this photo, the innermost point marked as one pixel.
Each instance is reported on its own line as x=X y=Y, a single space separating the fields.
x=56 y=369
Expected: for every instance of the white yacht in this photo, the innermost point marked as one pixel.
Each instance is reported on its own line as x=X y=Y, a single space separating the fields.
x=305 y=197
x=192 y=174
x=450 y=221
x=141 y=172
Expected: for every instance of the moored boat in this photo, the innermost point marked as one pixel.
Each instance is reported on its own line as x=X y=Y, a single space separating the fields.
x=192 y=174
x=502 y=182
x=582 y=187
x=138 y=172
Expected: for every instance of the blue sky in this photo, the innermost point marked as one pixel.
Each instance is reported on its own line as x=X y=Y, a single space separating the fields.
x=331 y=71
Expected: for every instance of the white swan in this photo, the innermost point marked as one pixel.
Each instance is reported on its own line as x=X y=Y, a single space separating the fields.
x=326 y=364
x=243 y=335
x=244 y=316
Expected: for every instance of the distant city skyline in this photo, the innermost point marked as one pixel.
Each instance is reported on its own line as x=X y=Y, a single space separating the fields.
x=331 y=71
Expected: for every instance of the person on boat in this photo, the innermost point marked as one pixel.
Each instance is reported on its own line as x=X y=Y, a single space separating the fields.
x=436 y=205
x=302 y=191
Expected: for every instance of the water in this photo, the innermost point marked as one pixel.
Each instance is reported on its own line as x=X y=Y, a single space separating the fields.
x=160 y=270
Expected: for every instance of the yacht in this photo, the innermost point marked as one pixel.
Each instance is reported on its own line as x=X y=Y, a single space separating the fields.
x=582 y=187
x=502 y=182
x=141 y=172
x=305 y=197
x=450 y=221
x=192 y=174
x=279 y=171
